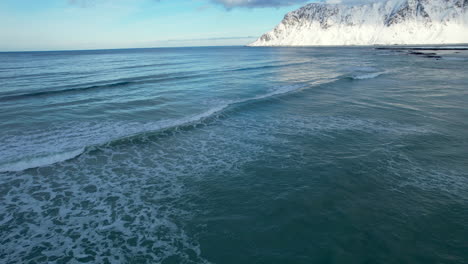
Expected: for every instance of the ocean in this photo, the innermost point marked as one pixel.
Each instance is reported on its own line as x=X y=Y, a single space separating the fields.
x=234 y=155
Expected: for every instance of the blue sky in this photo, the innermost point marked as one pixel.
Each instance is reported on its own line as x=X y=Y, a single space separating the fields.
x=95 y=24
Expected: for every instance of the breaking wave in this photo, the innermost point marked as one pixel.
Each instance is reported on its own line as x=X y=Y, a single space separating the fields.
x=107 y=134
x=40 y=161
x=364 y=76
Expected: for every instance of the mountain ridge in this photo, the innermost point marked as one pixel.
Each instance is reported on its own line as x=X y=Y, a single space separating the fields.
x=384 y=23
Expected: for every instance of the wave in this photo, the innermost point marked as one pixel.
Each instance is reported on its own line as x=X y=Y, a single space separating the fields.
x=202 y=117
x=151 y=65
x=54 y=92
x=32 y=75
x=269 y=66
x=117 y=83
x=37 y=162
x=134 y=130
x=126 y=81
x=364 y=76
x=455 y=58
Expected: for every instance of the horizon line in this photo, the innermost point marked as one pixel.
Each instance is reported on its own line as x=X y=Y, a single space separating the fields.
x=101 y=49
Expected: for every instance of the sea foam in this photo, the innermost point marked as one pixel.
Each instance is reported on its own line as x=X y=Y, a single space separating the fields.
x=49 y=147
x=40 y=161
x=364 y=76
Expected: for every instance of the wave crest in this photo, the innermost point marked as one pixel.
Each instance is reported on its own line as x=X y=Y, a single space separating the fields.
x=37 y=162
x=96 y=135
x=99 y=85
x=365 y=76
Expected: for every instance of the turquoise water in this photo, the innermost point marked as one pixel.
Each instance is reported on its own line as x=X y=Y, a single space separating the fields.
x=234 y=155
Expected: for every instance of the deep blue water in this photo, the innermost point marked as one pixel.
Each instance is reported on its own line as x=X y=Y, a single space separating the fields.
x=234 y=155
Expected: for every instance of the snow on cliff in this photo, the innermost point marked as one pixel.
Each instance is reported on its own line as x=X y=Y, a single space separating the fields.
x=383 y=23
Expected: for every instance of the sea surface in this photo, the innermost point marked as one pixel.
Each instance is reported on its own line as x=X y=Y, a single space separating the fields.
x=234 y=155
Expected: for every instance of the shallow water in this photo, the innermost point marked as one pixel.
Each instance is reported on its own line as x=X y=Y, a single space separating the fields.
x=233 y=155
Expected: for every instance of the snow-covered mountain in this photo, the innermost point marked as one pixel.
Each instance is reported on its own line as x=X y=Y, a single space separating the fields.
x=385 y=23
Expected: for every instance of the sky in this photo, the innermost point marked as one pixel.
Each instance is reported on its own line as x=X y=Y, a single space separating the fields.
x=106 y=24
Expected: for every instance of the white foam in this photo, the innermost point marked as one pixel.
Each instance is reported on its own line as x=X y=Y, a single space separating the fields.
x=36 y=162
x=42 y=148
x=149 y=185
x=365 y=76
x=105 y=204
